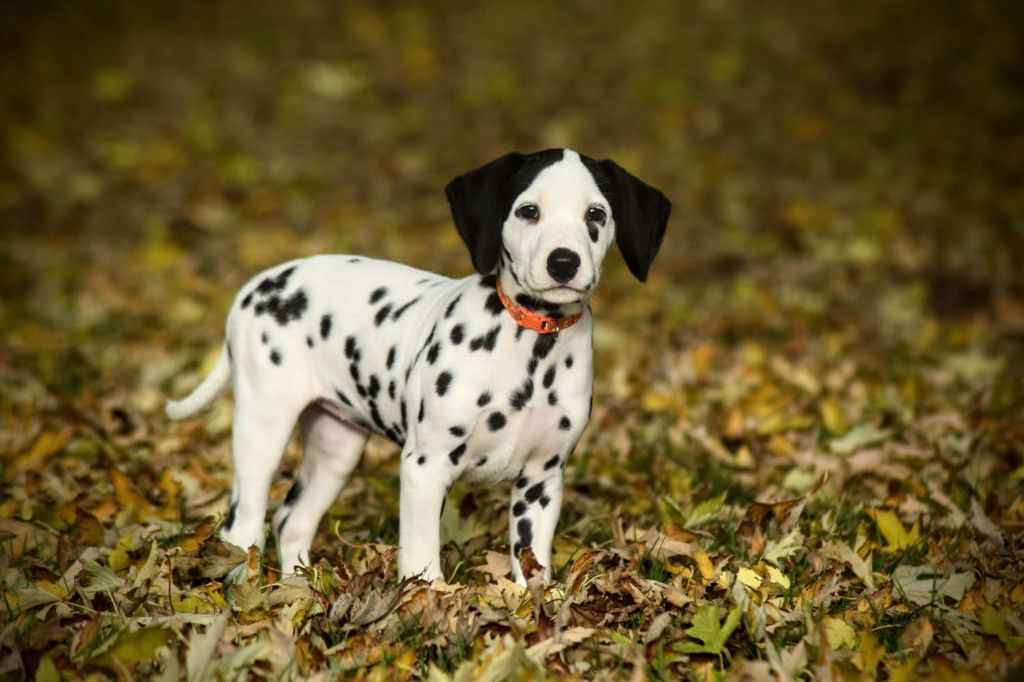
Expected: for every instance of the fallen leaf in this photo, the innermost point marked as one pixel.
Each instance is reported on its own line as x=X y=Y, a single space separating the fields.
x=896 y=536
x=712 y=632
x=924 y=585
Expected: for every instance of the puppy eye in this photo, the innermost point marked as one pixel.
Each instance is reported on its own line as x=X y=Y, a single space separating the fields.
x=596 y=214
x=528 y=212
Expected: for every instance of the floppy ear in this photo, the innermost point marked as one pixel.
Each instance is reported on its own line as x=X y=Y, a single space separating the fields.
x=478 y=208
x=640 y=213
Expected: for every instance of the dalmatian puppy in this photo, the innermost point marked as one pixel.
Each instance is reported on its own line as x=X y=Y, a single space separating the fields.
x=486 y=378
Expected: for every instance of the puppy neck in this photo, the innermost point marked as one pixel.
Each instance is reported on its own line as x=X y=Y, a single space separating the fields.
x=515 y=291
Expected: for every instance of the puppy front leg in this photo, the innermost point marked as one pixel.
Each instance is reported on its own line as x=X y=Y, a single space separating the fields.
x=536 y=503
x=425 y=480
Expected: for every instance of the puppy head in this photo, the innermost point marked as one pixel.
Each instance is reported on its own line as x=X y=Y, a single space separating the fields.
x=550 y=217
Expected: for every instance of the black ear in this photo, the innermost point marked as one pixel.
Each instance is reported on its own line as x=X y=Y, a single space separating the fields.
x=640 y=213
x=479 y=208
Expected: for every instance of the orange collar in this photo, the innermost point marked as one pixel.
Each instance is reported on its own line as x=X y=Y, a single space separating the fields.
x=527 y=319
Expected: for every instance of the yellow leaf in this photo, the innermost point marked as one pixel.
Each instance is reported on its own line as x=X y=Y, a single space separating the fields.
x=138 y=646
x=119 y=559
x=129 y=496
x=707 y=569
x=171 y=489
x=1017 y=594
x=905 y=671
x=896 y=536
x=777 y=581
x=47 y=671
x=656 y=400
x=832 y=416
x=748 y=577
x=46 y=444
x=839 y=633
x=867 y=658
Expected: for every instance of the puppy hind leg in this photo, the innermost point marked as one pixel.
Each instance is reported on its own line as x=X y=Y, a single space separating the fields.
x=259 y=436
x=332 y=448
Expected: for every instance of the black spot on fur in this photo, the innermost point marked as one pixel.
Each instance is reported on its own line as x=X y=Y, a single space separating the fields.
x=532 y=303
x=293 y=493
x=484 y=398
x=275 y=357
x=520 y=397
x=284 y=522
x=361 y=390
x=375 y=416
x=564 y=424
x=543 y=345
x=419 y=417
x=276 y=283
x=549 y=377
x=482 y=461
x=593 y=232
x=493 y=304
x=404 y=422
x=552 y=463
x=519 y=332
x=545 y=501
x=444 y=380
x=496 y=421
x=264 y=339
x=528 y=302
x=433 y=352
x=247 y=300
x=525 y=530
x=457 y=431
x=309 y=341
x=486 y=341
x=451 y=306
x=350 y=347
x=489 y=281
x=229 y=520
x=534 y=492
x=400 y=311
x=421 y=460
x=378 y=293
x=382 y=315
x=391 y=358
x=522 y=481
x=552 y=398
x=353 y=369
x=342 y=397
x=325 y=327
x=373 y=388
x=456 y=334
x=519 y=508
x=568 y=361
x=456 y=454
x=391 y=389
x=531 y=366
x=392 y=435
x=291 y=308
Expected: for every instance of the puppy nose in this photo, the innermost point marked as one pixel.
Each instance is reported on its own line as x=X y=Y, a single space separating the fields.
x=563 y=264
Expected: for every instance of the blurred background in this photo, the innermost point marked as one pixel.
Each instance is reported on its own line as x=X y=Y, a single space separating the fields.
x=847 y=182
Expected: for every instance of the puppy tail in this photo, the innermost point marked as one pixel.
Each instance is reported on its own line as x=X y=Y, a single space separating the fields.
x=204 y=393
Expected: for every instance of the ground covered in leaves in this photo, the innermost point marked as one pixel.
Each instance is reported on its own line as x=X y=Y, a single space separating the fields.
x=805 y=457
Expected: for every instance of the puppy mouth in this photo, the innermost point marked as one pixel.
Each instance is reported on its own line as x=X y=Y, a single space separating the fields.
x=563 y=293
